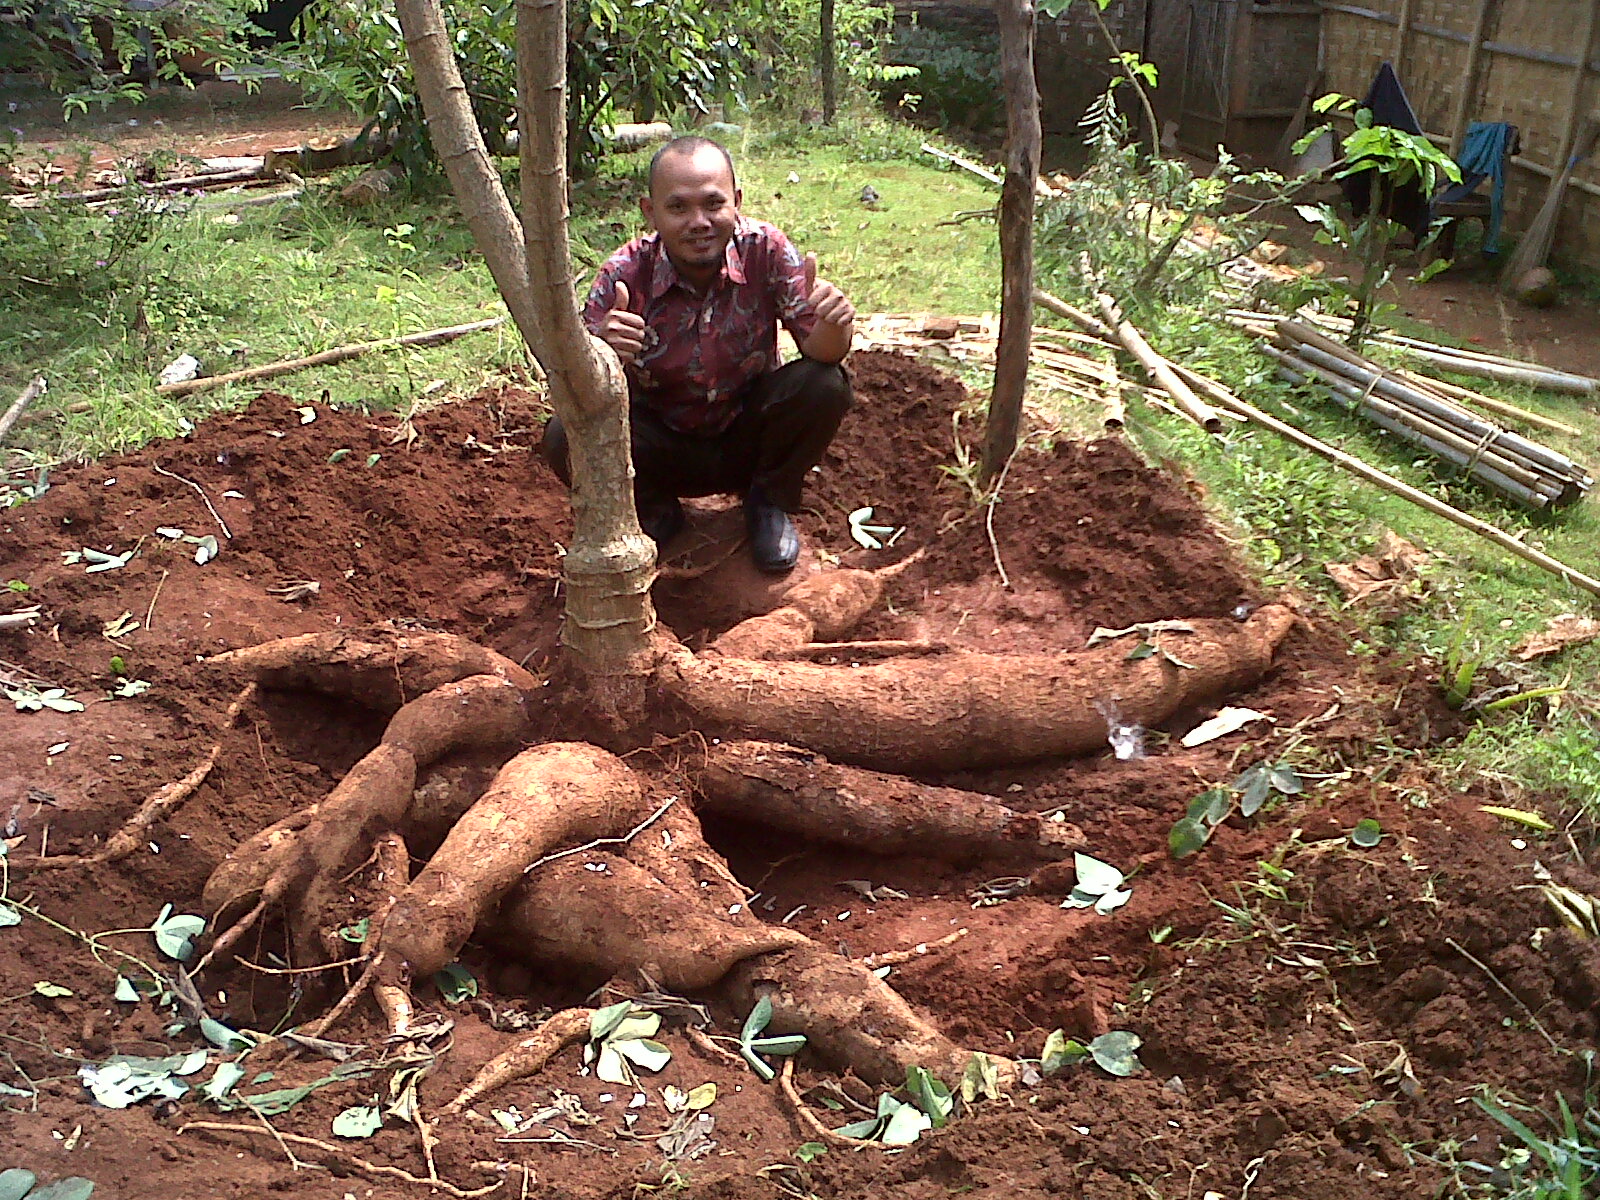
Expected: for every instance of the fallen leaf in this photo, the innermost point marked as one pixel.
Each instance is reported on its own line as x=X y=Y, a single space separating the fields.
x=1559 y=633
x=1228 y=720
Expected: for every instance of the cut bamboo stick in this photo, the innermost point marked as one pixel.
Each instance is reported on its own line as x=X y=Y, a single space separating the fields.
x=1467 y=396
x=431 y=337
x=1415 y=496
x=1196 y=409
x=36 y=388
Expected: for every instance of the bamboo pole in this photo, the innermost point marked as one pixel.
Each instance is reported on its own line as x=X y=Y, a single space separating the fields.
x=1504 y=477
x=36 y=388
x=1478 y=400
x=431 y=337
x=1420 y=498
x=1388 y=382
x=1402 y=36
x=1160 y=369
x=1469 y=78
x=1573 y=118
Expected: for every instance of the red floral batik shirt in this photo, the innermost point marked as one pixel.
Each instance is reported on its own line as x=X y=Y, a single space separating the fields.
x=702 y=350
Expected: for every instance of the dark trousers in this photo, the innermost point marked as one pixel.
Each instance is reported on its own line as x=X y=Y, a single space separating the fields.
x=783 y=428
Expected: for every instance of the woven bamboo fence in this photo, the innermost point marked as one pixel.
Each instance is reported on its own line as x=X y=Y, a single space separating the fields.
x=1488 y=60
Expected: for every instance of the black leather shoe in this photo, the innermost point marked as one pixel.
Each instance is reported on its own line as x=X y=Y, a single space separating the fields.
x=774 y=544
x=662 y=521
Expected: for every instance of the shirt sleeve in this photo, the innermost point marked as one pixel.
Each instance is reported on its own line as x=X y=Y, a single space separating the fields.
x=788 y=282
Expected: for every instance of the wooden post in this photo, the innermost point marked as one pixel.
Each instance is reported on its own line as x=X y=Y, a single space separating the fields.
x=825 y=62
x=1469 y=78
x=1023 y=141
x=1574 y=115
x=1239 y=57
x=1402 y=38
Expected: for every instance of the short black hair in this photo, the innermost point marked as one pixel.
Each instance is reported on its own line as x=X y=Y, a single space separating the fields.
x=689 y=144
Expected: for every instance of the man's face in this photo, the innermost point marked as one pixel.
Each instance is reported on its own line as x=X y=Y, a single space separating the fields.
x=693 y=205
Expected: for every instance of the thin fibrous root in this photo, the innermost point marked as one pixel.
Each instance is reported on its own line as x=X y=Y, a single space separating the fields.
x=814 y=1122
x=890 y=958
x=230 y=937
x=379 y=1170
x=158 y=805
x=527 y=1057
x=320 y=1027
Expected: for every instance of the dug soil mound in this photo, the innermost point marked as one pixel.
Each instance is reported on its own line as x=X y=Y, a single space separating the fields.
x=1313 y=1014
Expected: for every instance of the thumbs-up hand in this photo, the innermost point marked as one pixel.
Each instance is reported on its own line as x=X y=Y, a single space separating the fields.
x=828 y=302
x=621 y=329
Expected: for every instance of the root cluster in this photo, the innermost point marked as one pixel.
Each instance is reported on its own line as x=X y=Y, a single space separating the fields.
x=814 y=751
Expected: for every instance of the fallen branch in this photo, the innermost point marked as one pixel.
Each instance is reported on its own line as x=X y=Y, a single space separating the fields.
x=380 y=1170
x=431 y=337
x=36 y=388
x=1040 y=187
x=204 y=179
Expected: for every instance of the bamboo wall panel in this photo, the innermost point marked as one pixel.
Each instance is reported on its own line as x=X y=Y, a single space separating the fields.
x=1531 y=94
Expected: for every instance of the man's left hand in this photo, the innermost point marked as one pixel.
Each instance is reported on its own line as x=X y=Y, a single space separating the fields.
x=831 y=305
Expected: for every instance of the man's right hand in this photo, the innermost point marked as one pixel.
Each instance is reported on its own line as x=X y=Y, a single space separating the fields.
x=622 y=330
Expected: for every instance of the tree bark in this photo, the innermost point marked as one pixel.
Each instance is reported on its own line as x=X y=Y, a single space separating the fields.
x=1023 y=140
x=611 y=564
x=825 y=63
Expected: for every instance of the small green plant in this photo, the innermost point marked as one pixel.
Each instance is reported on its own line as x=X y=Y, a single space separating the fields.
x=1564 y=1166
x=1387 y=159
x=1249 y=791
x=752 y=1045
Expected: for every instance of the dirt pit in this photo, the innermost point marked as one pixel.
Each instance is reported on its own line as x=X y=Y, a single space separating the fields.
x=1310 y=1028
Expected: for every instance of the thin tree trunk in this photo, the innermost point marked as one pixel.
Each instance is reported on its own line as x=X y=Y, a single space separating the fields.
x=611 y=564
x=1016 y=234
x=459 y=144
x=825 y=61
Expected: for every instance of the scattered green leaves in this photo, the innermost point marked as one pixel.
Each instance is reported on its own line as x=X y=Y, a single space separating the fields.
x=930 y=1095
x=50 y=991
x=620 y=1039
x=810 y=1151
x=125 y=1079
x=17 y=1184
x=358 y=932
x=980 y=1080
x=1061 y=1051
x=33 y=699
x=455 y=982
x=1213 y=806
x=128 y=689
x=9 y=916
x=175 y=933
x=1367 y=834
x=362 y=1121
x=896 y=1124
x=1099 y=886
x=1112 y=1052
x=752 y=1045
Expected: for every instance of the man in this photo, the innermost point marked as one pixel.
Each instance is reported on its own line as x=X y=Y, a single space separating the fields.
x=692 y=310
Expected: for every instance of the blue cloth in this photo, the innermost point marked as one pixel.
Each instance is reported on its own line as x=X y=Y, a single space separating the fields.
x=1483 y=156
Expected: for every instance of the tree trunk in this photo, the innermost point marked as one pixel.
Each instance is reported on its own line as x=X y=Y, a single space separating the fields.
x=825 y=63
x=611 y=564
x=1016 y=234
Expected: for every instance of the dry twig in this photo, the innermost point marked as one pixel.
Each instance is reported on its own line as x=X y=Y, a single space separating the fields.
x=812 y=1121
x=378 y=1169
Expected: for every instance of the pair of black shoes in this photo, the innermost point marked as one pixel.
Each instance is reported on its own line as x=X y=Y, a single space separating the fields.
x=774 y=543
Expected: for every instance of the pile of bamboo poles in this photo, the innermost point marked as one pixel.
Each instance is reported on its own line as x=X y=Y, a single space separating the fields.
x=1408 y=406
x=1231 y=404
x=1453 y=358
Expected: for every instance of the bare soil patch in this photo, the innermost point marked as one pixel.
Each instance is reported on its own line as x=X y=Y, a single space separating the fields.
x=1270 y=1042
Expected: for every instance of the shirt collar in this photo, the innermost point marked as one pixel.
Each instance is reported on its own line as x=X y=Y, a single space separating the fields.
x=665 y=274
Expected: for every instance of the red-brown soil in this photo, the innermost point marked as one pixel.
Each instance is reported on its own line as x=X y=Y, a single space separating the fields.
x=1270 y=1039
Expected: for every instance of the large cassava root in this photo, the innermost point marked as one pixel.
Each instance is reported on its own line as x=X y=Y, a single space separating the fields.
x=966 y=710
x=803 y=793
x=381 y=669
